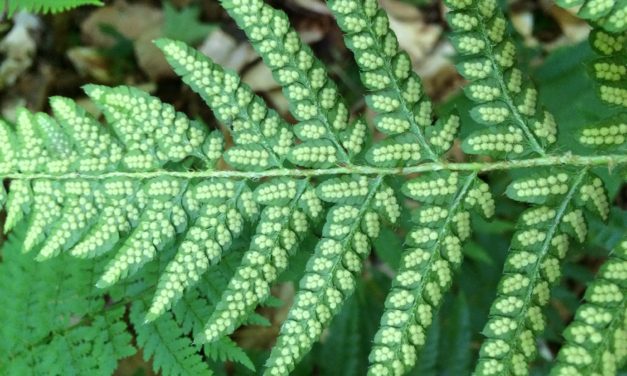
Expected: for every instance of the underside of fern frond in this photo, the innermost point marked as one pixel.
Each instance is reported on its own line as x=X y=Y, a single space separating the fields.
x=152 y=182
x=596 y=339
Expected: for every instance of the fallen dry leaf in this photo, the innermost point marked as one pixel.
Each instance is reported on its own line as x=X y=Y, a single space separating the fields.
x=316 y=6
x=18 y=46
x=574 y=29
x=259 y=78
x=89 y=61
x=429 y=51
x=150 y=58
x=223 y=49
x=523 y=24
x=279 y=102
x=130 y=20
x=139 y=23
x=415 y=36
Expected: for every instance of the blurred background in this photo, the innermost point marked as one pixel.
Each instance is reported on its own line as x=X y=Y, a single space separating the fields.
x=46 y=55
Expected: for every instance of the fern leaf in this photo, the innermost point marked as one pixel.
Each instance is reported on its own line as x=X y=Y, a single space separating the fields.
x=503 y=95
x=609 y=15
x=171 y=351
x=346 y=347
x=138 y=119
x=281 y=228
x=149 y=196
x=330 y=272
x=227 y=350
x=533 y=265
x=235 y=105
x=432 y=254
x=397 y=93
x=48 y=6
x=314 y=98
x=217 y=224
x=610 y=75
x=595 y=340
x=53 y=320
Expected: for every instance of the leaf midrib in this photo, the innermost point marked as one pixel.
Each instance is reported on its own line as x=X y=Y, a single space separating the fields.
x=611 y=161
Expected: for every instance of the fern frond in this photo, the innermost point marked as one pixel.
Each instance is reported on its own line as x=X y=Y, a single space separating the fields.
x=397 y=94
x=47 y=6
x=432 y=255
x=350 y=334
x=352 y=223
x=596 y=339
x=313 y=97
x=148 y=195
x=533 y=265
x=504 y=97
x=211 y=234
x=609 y=15
x=227 y=350
x=282 y=225
x=262 y=138
x=162 y=341
x=610 y=70
x=54 y=322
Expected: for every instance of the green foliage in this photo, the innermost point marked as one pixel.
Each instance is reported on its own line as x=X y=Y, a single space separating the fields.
x=171 y=350
x=609 y=15
x=609 y=40
x=595 y=340
x=192 y=231
x=47 y=6
x=432 y=254
x=54 y=321
x=396 y=92
x=184 y=25
x=506 y=99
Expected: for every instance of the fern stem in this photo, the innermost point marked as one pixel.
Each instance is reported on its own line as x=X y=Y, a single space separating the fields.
x=610 y=160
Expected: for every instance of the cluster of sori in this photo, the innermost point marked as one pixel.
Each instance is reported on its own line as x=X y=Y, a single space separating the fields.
x=608 y=40
x=359 y=204
x=507 y=104
x=433 y=253
x=596 y=339
x=609 y=15
x=506 y=99
x=148 y=184
x=533 y=265
x=609 y=70
x=404 y=112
